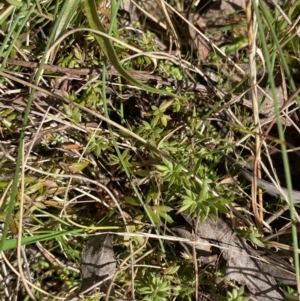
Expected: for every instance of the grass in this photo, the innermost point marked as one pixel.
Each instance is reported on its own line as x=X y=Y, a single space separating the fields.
x=117 y=151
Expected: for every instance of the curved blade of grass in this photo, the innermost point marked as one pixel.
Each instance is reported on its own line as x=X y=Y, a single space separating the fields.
x=278 y=119
x=109 y=51
x=113 y=137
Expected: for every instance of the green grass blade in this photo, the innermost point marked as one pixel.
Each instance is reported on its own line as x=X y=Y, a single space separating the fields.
x=66 y=15
x=12 y=243
x=279 y=123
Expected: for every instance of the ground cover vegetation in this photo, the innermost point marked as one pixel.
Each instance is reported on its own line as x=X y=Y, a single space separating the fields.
x=132 y=122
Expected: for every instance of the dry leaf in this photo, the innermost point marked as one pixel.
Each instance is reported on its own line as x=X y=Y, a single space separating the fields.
x=241 y=263
x=98 y=263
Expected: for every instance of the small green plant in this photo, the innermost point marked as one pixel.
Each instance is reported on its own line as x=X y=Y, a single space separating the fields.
x=154 y=287
x=73 y=113
x=237 y=295
x=251 y=234
x=171 y=173
x=159 y=115
x=199 y=202
x=98 y=145
x=150 y=132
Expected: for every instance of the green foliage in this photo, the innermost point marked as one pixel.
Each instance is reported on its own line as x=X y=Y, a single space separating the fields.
x=175 y=171
x=7 y=116
x=252 y=234
x=171 y=174
x=229 y=48
x=237 y=295
x=196 y=199
x=97 y=145
x=154 y=287
x=73 y=113
x=161 y=211
x=200 y=204
x=127 y=158
x=91 y=96
x=158 y=114
x=172 y=71
x=150 y=132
